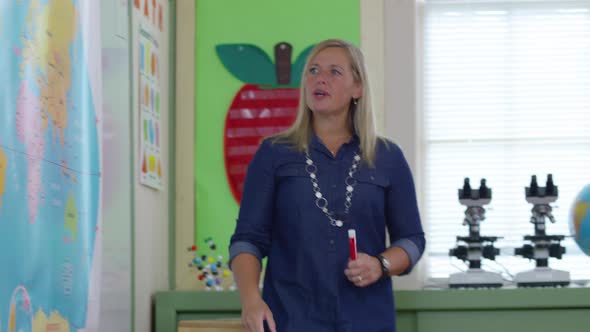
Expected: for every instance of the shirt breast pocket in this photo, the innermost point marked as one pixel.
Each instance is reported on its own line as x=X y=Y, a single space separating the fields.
x=370 y=192
x=292 y=181
x=291 y=172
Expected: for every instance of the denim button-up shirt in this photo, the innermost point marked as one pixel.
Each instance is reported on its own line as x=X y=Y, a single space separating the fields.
x=304 y=283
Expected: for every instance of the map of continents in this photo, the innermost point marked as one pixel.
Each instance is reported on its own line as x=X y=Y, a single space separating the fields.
x=49 y=167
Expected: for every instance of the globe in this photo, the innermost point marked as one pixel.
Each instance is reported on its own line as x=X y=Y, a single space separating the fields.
x=579 y=220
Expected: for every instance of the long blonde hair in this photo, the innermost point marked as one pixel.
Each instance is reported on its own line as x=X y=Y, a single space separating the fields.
x=360 y=113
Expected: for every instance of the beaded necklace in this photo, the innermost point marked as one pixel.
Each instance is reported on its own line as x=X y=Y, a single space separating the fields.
x=320 y=200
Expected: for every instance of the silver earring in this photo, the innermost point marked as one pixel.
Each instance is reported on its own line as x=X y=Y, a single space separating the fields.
x=355 y=101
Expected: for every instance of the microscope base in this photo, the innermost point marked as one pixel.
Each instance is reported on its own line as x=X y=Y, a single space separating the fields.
x=475 y=278
x=542 y=277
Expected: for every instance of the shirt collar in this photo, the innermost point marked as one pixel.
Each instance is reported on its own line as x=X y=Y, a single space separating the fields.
x=316 y=144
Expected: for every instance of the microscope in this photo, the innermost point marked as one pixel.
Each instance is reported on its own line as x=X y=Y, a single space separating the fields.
x=542 y=246
x=475 y=246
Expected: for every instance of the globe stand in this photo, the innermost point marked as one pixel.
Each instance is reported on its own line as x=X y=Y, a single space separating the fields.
x=542 y=246
x=476 y=246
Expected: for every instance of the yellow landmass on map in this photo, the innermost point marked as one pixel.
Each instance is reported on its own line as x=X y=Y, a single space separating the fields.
x=71 y=214
x=12 y=317
x=51 y=30
x=55 y=322
x=3 y=167
x=580 y=211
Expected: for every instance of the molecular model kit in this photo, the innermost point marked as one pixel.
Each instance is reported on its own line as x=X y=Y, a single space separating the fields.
x=212 y=272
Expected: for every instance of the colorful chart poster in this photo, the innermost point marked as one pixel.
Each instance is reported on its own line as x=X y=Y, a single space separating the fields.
x=149 y=110
x=50 y=164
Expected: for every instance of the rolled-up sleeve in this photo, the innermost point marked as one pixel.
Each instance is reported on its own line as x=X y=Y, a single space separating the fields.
x=403 y=218
x=254 y=225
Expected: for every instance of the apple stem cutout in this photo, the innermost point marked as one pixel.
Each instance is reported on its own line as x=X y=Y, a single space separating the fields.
x=265 y=105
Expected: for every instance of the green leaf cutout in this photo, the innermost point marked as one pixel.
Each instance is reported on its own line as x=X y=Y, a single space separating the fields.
x=297 y=66
x=248 y=63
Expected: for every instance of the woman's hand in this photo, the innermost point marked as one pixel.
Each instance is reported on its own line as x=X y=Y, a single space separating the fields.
x=364 y=270
x=254 y=313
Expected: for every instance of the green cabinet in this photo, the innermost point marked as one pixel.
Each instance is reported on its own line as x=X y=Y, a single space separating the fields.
x=485 y=310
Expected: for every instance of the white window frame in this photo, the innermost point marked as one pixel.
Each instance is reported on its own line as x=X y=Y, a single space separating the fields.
x=402 y=53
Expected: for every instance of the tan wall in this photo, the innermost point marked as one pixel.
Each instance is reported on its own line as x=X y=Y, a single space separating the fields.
x=372 y=38
x=185 y=128
x=151 y=207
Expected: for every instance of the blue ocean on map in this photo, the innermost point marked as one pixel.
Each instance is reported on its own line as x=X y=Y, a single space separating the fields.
x=49 y=166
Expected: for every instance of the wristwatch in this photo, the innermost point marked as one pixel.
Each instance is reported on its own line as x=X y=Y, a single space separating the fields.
x=385 y=265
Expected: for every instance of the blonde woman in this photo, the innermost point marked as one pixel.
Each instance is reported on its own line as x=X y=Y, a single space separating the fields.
x=305 y=189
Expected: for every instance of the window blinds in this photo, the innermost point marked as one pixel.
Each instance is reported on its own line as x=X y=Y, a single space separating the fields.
x=505 y=95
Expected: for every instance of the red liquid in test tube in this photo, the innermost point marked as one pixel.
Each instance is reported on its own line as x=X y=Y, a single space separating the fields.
x=352 y=243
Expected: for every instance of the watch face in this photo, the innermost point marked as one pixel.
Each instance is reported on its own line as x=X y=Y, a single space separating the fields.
x=384 y=262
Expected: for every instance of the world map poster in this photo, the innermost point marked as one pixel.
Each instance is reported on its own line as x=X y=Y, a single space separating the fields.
x=50 y=163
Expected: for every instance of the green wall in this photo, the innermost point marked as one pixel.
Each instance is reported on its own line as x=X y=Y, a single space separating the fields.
x=262 y=23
